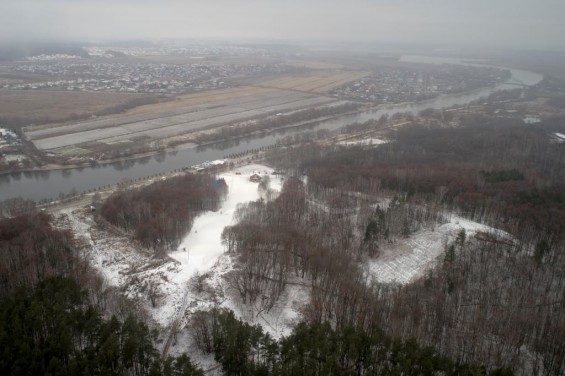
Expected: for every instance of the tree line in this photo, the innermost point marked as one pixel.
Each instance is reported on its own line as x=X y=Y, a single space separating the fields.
x=52 y=329
x=317 y=348
x=278 y=121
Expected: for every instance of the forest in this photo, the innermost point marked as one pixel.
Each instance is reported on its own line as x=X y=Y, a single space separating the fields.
x=492 y=305
x=54 y=324
x=52 y=321
x=33 y=250
x=498 y=171
x=319 y=349
x=160 y=214
x=495 y=299
x=53 y=330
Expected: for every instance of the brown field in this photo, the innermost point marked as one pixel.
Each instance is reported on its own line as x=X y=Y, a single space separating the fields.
x=312 y=64
x=201 y=98
x=59 y=105
x=320 y=82
x=224 y=59
x=186 y=114
x=41 y=105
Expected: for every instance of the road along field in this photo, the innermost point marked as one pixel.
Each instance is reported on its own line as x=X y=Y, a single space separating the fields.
x=189 y=114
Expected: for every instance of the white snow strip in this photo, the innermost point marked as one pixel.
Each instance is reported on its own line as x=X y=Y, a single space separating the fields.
x=366 y=142
x=201 y=248
x=201 y=251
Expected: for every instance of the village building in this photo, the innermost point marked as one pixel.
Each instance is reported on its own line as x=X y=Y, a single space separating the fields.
x=255 y=178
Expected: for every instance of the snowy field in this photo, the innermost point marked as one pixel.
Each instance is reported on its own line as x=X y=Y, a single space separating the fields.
x=364 y=142
x=410 y=258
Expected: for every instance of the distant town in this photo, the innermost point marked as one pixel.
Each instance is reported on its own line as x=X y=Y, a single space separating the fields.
x=99 y=73
x=394 y=85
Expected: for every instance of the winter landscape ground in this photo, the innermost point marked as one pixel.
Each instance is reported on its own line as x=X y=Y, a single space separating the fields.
x=196 y=276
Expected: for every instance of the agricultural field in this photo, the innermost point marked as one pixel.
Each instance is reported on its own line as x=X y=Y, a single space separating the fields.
x=42 y=106
x=185 y=115
x=314 y=64
x=112 y=109
x=201 y=98
x=318 y=82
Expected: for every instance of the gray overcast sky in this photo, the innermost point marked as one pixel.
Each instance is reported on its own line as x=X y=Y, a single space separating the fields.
x=527 y=23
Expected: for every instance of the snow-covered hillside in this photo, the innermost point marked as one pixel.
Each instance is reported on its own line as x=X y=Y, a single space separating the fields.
x=195 y=276
x=410 y=258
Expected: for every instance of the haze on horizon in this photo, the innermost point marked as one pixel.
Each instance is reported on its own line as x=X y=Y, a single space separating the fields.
x=509 y=23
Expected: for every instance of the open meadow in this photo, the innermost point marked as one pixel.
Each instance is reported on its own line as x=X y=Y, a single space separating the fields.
x=186 y=114
x=318 y=82
x=44 y=106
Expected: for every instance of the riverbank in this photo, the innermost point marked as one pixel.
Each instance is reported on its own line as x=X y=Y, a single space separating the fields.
x=181 y=146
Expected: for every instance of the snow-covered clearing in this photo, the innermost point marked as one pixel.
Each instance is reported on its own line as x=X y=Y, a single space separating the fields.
x=202 y=247
x=194 y=277
x=410 y=258
x=201 y=255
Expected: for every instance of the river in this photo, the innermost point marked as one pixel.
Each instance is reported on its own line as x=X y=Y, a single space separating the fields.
x=37 y=185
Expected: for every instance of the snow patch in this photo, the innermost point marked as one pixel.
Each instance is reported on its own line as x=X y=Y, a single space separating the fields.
x=410 y=258
x=365 y=142
x=281 y=319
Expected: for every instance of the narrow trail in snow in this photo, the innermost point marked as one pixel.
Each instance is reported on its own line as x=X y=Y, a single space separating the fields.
x=175 y=322
x=204 y=240
x=212 y=369
x=83 y=230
